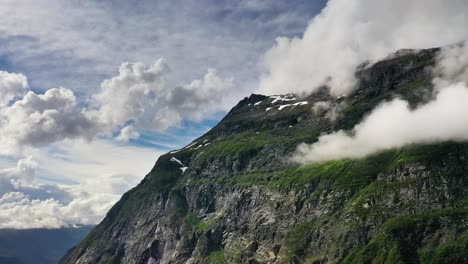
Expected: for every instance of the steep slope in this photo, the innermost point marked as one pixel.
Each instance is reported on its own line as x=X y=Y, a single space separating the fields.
x=232 y=196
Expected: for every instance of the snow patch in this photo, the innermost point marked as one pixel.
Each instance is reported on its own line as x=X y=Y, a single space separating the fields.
x=280 y=98
x=191 y=145
x=268 y=108
x=257 y=103
x=176 y=160
x=183 y=168
x=296 y=104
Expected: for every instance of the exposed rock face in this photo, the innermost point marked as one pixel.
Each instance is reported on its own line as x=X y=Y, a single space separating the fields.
x=232 y=196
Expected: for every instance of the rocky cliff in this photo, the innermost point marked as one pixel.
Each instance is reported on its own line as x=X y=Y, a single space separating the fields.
x=233 y=196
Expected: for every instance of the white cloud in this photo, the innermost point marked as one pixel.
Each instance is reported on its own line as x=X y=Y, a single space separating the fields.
x=127 y=133
x=138 y=94
x=141 y=94
x=131 y=93
x=18 y=210
x=194 y=101
x=41 y=119
x=452 y=65
x=85 y=180
x=393 y=125
x=11 y=86
x=22 y=174
x=346 y=33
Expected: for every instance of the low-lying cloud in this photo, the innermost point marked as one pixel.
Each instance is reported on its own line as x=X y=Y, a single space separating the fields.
x=347 y=33
x=393 y=124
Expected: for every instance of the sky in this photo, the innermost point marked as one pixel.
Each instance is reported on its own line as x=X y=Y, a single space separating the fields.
x=94 y=91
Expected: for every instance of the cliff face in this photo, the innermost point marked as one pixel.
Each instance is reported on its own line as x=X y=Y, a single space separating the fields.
x=232 y=196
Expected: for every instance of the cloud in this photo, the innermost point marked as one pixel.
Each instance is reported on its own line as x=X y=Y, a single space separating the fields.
x=41 y=119
x=81 y=46
x=85 y=181
x=194 y=101
x=393 y=124
x=127 y=133
x=18 y=210
x=138 y=95
x=22 y=174
x=127 y=96
x=141 y=94
x=11 y=86
x=452 y=65
x=347 y=33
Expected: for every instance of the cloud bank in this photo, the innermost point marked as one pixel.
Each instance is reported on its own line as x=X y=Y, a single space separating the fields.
x=347 y=33
x=394 y=125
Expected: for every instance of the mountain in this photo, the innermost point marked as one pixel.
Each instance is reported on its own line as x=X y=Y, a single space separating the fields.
x=38 y=246
x=233 y=196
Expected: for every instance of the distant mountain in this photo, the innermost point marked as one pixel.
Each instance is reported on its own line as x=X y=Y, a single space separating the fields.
x=232 y=196
x=38 y=246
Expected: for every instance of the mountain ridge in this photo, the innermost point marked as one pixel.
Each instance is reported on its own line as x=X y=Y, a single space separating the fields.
x=234 y=196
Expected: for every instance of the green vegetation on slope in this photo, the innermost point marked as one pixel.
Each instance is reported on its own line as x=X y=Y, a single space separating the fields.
x=400 y=238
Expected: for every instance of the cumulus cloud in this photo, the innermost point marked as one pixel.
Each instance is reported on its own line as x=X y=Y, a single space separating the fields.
x=194 y=101
x=139 y=95
x=22 y=174
x=11 y=86
x=41 y=119
x=131 y=93
x=347 y=33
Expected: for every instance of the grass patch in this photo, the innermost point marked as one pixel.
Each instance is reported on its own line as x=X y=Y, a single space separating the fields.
x=198 y=226
x=399 y=239
x=452 y=252
x=216 y=257
x=297 y=241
